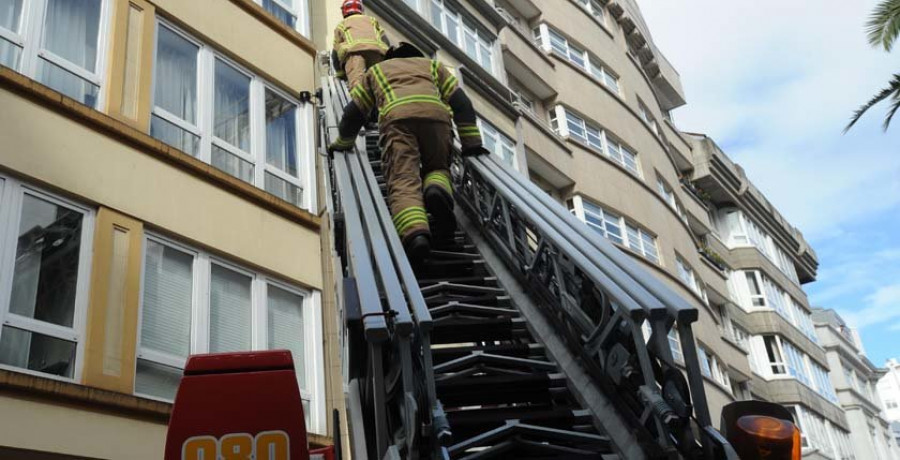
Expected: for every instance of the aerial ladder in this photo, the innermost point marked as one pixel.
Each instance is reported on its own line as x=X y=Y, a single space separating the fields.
x=520 y=338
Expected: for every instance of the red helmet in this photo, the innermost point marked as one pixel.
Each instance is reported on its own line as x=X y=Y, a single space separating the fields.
x=351 y=7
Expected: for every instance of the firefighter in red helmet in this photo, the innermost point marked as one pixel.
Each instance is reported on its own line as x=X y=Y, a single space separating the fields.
x=359 y=43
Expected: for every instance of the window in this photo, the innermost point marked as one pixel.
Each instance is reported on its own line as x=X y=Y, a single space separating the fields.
x=890 y=404
x=675 y=344
x=464 y=33
x=818 y=433
x=595 y=8
x=796 y=363
x=606 y=223
x=45 y=253
x=554 y=42
x=241 y=126
x=193 y=302
x=648 y=118
x=775 y=356
x=711 y=367
x=738 y=230
x=293 y=13
x=616 y=229
x=60 y=43
x=595 y=138
x=523 y=99
x=497 y=143
x=687 y=274
x=642 y=242
x=754 y=290
x=669 y=197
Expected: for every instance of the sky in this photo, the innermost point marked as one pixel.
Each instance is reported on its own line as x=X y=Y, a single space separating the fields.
x=774 y=82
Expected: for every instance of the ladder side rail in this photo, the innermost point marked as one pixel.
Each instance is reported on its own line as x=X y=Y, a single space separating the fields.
x=680 y=310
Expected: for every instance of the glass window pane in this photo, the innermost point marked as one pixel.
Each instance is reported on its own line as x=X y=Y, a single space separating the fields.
x=9 y=54
x=67 y=83
x=281 y=133
x=231 y=121
x=10 y=14
x=232 y=164
x=37 y=352
x=46 y=270
x=437 y=11
x=175 y=136
x=280 y=13
x=471 y=42
x=452 y=27
x=486 y=56
x=634 y=239
x=176 y=75
x=285 y=326
x=229 y=310
x=154 y=379
x=71 y=31
x=168 y=297
x=283 y=189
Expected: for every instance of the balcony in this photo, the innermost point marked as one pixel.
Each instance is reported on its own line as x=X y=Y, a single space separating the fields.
x=766 y=322
x=748 y=257
x=526 y=62
x=680 y=146
x=718 y=179
x=790 y=391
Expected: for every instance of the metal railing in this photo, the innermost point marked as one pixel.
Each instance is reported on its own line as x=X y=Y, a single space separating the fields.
x=599 y=299
x=388 y=323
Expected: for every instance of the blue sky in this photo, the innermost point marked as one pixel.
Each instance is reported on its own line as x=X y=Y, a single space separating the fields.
x=774 y=82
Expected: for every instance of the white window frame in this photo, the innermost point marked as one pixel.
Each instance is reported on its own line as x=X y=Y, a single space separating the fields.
x=590 y=64
x=501 y=142
x=30 y=40
x=582 y=208
x=12 y=193
x=201 y=272
x=301 y=12
x=595 y=138
x=595 y=9
x=205 y=110
x=464 y=26
x=741 y=231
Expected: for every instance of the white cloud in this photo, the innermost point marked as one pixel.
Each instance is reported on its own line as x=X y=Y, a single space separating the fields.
x=774 y=82
x=882 y=307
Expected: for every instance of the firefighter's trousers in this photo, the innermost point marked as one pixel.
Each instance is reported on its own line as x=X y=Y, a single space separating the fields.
x=357 y=63
x=415 y=155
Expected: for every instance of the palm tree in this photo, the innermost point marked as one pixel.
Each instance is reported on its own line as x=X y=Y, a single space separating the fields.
x=883 y=29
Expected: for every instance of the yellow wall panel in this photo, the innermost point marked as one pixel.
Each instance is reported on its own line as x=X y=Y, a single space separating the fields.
x=113 y=309
x=131 y=62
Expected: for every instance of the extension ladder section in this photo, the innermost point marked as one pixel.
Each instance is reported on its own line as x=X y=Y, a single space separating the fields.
x=522 y=337
x=503 y=396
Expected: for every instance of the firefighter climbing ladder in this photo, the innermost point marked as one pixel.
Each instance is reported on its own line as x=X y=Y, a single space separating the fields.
x=521 y=338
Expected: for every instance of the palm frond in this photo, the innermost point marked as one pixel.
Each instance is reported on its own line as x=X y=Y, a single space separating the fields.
x=883 y=26
x=893 y=110
x=892 y=88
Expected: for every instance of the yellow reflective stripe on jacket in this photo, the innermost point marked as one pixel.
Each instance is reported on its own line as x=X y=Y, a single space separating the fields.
x=449 y=86
x=468 y=131
x=389 y=95
x=413 y=99
x=343 y=142
x=361 y=96
x=434 y=72
x=440 y=179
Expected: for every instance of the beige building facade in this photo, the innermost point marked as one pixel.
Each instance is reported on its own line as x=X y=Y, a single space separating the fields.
x=158 y=198
x=855 y=379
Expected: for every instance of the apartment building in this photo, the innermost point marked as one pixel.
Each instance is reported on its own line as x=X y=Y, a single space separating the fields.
x=158 y=197
x=855 y=378
x=888 y=388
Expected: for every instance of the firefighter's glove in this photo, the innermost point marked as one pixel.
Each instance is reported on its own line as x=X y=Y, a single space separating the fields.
x=475 y=151
x=341 y=145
